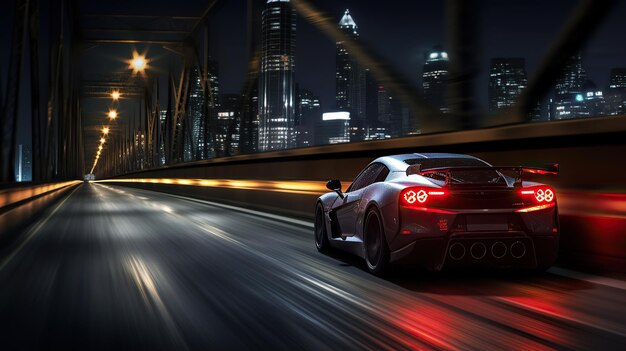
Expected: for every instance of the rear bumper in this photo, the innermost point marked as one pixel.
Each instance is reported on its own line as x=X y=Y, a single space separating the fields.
x=498 y=251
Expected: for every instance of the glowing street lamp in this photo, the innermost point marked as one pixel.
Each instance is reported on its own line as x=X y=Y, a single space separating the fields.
x=138 y=63
x=102 y=141
x=99 y=148
x=105 y=130
x=112 y=114
x=115 y=95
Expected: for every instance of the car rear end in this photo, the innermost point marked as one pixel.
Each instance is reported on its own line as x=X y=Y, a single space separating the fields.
x=497 y=224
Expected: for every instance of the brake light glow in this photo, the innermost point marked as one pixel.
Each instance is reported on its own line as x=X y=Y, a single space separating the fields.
x=542 y=194
x=418 y=196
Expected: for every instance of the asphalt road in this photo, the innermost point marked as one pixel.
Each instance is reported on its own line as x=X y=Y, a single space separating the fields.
x=118 y=268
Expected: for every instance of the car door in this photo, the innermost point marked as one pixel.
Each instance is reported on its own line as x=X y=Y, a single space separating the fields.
x=346 y=209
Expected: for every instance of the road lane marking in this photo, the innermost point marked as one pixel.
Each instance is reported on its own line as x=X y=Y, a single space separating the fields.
x=145 y=282
x=594 y=279
x=33 y=230
x=558 y=316
x=244 y=210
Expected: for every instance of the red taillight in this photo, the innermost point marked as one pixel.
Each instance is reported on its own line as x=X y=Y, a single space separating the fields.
x=419 y=196
x=541 y=194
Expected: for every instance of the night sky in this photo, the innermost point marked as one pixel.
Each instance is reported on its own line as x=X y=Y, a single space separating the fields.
x=400 y=31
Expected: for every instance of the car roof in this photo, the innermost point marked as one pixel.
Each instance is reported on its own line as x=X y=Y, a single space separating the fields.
x=396 y=163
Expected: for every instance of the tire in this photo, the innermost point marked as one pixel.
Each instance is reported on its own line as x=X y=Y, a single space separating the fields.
x=375 y=243
x=321 y=236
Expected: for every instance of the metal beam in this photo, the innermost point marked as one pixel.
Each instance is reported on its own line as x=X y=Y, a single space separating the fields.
x=136 y=30
x=143 y=17
x=132 y=41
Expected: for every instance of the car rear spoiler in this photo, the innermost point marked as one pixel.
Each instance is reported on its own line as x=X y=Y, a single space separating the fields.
x=551 y=169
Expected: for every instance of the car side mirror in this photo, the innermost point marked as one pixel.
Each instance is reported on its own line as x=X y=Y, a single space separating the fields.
x=335 y=185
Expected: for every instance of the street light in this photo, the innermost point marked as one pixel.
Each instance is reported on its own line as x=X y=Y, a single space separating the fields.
x=105 y=130
x=115 y=95
x=102 y=141
x=138 y=63
x=112 y=114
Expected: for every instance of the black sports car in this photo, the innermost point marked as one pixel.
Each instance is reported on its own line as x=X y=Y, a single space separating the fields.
x=440 y=211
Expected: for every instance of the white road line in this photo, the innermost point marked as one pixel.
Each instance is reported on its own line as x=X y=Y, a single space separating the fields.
x=595 y=279
x=245 y=210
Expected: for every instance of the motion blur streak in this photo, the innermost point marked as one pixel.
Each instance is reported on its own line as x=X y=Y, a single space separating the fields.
x=13 y=195
x=293 y=187
x=117 y=268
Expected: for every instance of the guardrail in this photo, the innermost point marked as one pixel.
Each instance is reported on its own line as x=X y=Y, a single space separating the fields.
x=20 y=204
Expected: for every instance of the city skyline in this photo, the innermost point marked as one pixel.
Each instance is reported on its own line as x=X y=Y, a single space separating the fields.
x=407 y=52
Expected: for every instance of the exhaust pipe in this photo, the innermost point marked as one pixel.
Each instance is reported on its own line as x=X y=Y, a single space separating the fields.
x=518 y=249
x=498 y=250
x=478 y=250
x=457 y=251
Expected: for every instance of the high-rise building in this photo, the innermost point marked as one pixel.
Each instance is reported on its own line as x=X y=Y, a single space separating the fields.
x=594 y=99
x=434 y=78
x=227 y=125
x=569 y=99
x=393 y=116
x=308 y=113
x=571 y=80
x=371 y=99
x=23 y=164
x=195 y=117
x=350 y=77
x=276 y=79
x=616 y=93
x=334 y=128
x=198 y=147
x=249 y=128
x=507 y=79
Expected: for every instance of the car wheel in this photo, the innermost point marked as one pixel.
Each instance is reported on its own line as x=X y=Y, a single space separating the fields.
x=321 y=239
x=375 y=243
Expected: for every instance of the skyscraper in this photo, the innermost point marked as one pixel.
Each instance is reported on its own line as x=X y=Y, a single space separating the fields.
x=350 y=77
x=571 y=80
x=507 y=79
x=616 y=93
x=434 y=78
x=569 y=100
x=276 y=79
x=227 y=125
x=199 y=116
x=249 y=126
x=195 y=116
x=308 y=112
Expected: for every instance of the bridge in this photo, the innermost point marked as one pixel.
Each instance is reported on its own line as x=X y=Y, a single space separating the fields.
x=141 y=207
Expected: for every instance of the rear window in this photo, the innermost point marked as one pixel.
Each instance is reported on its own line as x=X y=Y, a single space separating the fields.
x=460 y=177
